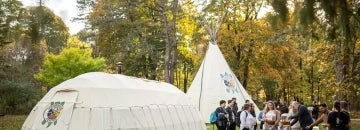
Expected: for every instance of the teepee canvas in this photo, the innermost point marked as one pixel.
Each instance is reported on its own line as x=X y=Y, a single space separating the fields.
x=101 y=101
x=215 y=81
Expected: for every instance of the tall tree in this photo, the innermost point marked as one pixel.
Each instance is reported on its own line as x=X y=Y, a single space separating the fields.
x=9 y=15
x=188 y=41
x=130 y=32
x=169 y=29
x=42 y=23
x=340 y=20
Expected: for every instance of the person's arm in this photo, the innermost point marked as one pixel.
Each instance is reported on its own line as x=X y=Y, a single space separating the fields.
x=229 y=111
x=294 y=121
x=347 y=120
x=278 y=116
x=243 y=119
x=318 y=121
x=296 y=117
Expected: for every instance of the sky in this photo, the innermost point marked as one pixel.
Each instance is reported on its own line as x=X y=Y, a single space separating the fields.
x=66 y=9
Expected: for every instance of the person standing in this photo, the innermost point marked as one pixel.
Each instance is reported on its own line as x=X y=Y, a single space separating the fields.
x=252 y=112
x=271 y=116
x=337 y=119
x=260 y=117
x=236 y=107
x=222 y=116
x=247 y=120
x=344 y=108
x=303 y=116
x=292 y=112
x=323 y=117
x=230 y=109
x=315 y=110
x=284 y=108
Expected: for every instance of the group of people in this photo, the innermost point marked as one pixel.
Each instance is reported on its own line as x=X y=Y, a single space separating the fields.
x=229 y=116
x=295 y=116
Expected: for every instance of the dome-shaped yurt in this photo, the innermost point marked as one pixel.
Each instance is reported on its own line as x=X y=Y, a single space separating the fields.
x=98 y=100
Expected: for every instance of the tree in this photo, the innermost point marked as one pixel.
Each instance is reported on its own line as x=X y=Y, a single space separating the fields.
x=42 y=23
x=169 y=30
x=340 y=20
x=9 y=17
x=188 y=31
x=73 y=60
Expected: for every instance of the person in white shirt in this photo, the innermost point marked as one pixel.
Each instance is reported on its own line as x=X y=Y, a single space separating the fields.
x=271 y=116
x=247 y=120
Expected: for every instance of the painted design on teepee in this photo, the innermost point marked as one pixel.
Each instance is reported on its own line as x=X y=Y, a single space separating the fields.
x=229 y=82
x=52 y=113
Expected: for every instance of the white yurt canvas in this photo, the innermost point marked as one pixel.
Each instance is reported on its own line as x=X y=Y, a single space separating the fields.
x=215 y=81
x=99 y=100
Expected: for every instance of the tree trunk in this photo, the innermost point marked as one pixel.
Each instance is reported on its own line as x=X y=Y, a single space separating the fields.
x=312 y=83
x=246 y=72
x=171 y=53
x=174 y=41
x=247 y=64
x=185 y=77
x=167 y=41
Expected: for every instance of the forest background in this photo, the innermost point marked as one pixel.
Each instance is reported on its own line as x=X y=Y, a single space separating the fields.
x=305 y=49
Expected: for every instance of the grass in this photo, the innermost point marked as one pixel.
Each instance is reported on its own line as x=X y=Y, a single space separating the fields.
x=14 y=122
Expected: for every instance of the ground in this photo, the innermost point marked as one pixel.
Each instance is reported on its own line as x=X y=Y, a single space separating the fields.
x=14 y=122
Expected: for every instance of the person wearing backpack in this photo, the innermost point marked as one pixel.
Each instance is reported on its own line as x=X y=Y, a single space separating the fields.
x=230 y=109
x=247 y=119
x=222 y=116
x=337 y=119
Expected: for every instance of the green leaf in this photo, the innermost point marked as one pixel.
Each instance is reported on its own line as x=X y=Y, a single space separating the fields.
x=55 y=122
x=49 y=123
x=52 y=103
x=72 y=61
x=43 y=122
x=62 y=103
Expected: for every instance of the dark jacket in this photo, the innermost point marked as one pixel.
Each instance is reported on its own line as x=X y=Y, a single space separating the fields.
x=303 y=115
x=236 y=108
x=221 y=119
x=341 y=124
x=231 y=113
x=315 y=111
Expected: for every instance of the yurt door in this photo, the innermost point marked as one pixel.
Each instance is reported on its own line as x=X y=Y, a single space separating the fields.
x=58 y=114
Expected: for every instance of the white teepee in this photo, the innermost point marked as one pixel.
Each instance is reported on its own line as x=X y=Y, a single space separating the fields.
x=215 y=81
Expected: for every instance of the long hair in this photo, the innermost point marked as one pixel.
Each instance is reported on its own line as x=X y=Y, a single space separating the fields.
x=267 y=109
x=337 y=108
x=337 y=105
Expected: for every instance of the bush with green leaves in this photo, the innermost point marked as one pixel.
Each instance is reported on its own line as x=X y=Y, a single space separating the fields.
x=17 y=97
x=73 y=60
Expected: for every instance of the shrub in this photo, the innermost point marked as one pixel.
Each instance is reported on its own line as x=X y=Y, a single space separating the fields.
x=17 y=98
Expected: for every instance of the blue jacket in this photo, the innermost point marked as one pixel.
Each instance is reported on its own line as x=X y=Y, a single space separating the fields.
x=260 y=117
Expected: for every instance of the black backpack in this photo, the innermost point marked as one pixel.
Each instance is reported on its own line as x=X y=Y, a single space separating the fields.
x=237 y=117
